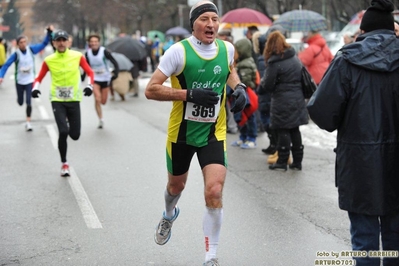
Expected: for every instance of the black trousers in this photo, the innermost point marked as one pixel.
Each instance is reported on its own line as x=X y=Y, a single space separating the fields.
x=67 y=117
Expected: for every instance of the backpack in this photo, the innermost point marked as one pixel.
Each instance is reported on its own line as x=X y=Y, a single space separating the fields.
x=308 y=84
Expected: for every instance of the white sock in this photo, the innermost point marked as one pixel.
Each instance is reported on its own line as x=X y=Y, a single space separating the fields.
x=211 y=225
x=170 y=203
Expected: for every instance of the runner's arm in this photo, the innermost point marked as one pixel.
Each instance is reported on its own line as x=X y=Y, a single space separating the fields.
x=7 y=64
x=35 y=48
x=83 y=76
x=43 y=71
x=87 y=69
x=109 y=56
x=233 y=79
x=155 y=89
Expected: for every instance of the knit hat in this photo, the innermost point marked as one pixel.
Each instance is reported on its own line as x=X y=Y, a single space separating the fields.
x=199 y=9
x=378 y=16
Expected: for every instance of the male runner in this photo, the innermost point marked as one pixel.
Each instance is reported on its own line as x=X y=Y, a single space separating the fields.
x=24 y=61
x=199 y=67
x=97 y=57
x=65 y=93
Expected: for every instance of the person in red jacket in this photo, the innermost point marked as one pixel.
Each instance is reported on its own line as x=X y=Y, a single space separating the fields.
x=317 y=56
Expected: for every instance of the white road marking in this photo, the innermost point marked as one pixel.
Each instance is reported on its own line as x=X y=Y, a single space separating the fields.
x=84 y=203
x=53 y=136
x=43 y=112
x=89 y=215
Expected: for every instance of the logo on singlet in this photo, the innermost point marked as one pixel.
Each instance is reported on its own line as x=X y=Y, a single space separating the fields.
x=217 y=70
x=205 y=85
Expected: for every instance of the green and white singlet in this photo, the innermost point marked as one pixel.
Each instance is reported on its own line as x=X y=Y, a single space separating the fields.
x=191 y=123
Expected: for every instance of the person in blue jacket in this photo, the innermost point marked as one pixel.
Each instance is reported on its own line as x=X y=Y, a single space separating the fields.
x=24 y=61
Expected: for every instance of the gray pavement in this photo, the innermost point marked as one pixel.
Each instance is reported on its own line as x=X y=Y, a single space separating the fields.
x=106 y=213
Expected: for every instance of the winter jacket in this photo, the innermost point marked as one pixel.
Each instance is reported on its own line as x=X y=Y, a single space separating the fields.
x=264 y=97
x=359 y=97
x=246 y=67
x=283 y=79
x=316 y=57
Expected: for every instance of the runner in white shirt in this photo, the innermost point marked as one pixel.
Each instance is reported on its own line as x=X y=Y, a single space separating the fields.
x=97 y=57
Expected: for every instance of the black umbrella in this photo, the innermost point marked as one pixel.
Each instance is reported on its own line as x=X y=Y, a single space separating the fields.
x=131 y=48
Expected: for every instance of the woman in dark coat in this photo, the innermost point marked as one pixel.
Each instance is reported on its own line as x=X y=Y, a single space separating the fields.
x=288 y=109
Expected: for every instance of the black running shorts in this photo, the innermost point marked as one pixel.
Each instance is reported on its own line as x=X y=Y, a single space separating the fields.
x=178 y=156
x=103 y=84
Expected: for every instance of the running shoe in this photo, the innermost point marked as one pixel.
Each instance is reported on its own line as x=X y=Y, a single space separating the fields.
x=101 y=124
x=163 y=231
x=212 y=262
x=28 y=126
x=65 y=169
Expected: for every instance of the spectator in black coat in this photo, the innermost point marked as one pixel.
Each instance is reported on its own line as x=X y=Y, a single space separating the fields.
x=287 y=110
x=359 y=97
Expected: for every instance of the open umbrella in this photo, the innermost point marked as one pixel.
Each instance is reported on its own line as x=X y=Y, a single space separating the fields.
x=302 y=20
x=131 y=48
x=177 y=31
x=123 y=62
x=151 y=34
x=245 y=15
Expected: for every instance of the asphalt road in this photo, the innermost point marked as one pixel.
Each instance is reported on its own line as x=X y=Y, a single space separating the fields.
x=106 y=212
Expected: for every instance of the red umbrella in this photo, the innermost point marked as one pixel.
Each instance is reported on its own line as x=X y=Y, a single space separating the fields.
x=246 y=15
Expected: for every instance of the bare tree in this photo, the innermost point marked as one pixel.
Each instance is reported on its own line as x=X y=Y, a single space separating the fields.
x=145 y=15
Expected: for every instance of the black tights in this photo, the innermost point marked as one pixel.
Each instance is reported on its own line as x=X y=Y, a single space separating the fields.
x=62 y=112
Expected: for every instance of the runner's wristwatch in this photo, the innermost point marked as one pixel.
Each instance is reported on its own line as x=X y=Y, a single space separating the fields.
x=241 y=85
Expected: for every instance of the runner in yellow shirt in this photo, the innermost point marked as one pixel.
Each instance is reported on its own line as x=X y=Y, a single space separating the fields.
x=65 y=93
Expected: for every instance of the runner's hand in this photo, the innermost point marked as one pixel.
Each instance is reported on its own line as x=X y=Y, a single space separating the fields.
x=240 y=98
x=88 y=90
x=204 y=97
x=35 y=93
x=50 y=29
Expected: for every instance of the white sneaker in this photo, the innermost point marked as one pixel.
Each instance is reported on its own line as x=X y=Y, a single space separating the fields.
x=101 y=124
x=28 y=126
x=65 y=169
x=248 y=145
